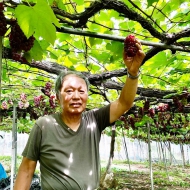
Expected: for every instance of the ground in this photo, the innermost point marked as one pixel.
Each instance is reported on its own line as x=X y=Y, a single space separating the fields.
x=136 y=176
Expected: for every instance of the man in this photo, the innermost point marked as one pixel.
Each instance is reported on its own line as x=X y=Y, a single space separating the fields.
x=67 y=143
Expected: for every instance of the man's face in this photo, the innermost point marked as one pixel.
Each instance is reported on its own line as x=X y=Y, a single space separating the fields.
x=73 y=94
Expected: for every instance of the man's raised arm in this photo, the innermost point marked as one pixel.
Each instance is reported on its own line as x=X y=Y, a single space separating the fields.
x=127 y=96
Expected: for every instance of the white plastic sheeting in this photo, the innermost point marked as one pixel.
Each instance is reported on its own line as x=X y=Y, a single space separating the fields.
x=137 y=151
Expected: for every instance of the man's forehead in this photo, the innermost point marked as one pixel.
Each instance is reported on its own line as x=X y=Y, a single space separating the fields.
x=72 y=76
x=73 y=79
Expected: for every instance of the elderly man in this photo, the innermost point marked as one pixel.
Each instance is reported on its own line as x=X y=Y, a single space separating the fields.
x=66 y=144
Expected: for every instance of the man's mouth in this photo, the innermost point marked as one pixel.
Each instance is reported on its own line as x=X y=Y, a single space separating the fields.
x=76 y=105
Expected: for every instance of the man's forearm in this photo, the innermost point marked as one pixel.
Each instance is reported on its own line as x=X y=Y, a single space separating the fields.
x=23 y=181
x=128 y=93
x=125 y=100
x=25 y=174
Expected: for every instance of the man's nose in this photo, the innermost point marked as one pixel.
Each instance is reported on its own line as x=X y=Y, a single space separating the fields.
x=76 y=94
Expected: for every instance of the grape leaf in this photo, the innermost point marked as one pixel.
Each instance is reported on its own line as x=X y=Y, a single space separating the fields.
x=79 y=2
x=42 y=7
x=24 y=15
x=150 y=2
x=38 y=19
x=35 y=53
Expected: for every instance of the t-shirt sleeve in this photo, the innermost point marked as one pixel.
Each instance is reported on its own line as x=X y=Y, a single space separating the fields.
x=32 y=148
x=102 y=116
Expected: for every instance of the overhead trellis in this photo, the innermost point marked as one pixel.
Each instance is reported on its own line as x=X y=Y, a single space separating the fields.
x=88 y=37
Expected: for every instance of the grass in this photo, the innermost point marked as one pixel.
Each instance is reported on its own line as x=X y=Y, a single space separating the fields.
x=138 y=178
x=6 y=162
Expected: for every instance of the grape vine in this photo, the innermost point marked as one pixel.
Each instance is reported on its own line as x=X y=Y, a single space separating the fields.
x=166 y=119
x=39 y=106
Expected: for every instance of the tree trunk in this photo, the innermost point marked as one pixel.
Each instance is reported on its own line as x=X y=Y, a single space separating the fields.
x=107 y=180
x=126 y=151
x=164 y=159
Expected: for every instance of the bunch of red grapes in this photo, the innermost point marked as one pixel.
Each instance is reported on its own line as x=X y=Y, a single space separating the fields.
x=39 y=101
x=47 y=91
x=163 y=107
x=41 y=105
x=178 y=104
x=4 y=105
x=52 y=101
x=128 y=121
x=3 y=23
x=130 y=47
x=23 y=103
x=19 y=42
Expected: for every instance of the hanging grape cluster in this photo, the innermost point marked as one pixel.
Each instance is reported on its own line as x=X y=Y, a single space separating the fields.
x=3 y=23
x=47 y=89
x=41 y=105
x=19 y=42
x=23 y=103
x=168 y=119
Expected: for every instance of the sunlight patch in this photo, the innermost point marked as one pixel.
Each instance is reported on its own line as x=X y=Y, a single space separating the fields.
x=90 y=173
x=91 y=126
x=47 y=119
x=71 y=158
x=66 y=172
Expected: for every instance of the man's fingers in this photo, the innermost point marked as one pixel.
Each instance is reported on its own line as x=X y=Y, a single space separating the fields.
x=139 y=46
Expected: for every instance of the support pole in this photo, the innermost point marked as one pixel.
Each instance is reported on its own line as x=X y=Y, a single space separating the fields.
x=14 y=145
x=150 y=157
x=1 y=55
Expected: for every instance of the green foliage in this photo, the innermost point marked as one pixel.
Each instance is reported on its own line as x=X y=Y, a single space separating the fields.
x=150 y=2
x=79 y=2
x=35 y=53
x=37 y=20
x=24 y=125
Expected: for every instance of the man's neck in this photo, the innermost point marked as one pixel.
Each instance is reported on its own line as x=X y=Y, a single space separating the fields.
x=72 y=121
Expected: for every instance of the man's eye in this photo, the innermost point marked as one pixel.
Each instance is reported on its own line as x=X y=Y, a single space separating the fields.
x=69 y=91
x=82 y=91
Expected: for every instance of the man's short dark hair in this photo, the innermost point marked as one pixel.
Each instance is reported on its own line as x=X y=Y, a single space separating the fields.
x=62 y=75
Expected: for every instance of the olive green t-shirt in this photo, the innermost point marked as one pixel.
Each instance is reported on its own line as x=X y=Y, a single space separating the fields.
x=68 y=160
